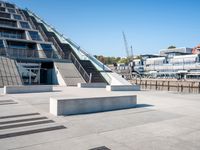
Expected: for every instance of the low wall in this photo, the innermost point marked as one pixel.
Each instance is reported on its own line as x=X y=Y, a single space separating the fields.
x=27 y=89
x=122 y=87
x=168 y=85
x=91 y=85
x=64 y=106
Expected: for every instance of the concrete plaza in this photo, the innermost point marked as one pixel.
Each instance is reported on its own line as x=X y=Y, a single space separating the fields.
x=161 y=121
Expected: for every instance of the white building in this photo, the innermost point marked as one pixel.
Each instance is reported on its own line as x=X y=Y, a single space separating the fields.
x=180 y=50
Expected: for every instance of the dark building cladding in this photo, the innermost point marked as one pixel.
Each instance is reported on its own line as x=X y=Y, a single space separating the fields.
x=32 y=52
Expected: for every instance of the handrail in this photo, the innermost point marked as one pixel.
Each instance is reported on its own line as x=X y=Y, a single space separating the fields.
x=80 y=68
x=52 y=39
x=59 y=49
x=43 y=34
x=32 y=24
x=22 y=13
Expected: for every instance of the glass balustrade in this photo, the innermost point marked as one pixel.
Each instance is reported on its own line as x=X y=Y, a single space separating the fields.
x=26 y=53
x=12 y=35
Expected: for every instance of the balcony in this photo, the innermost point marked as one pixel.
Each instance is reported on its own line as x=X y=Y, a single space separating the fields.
x=5 y=15
x=26 y=53
x=14 y=34
x=8 y=23
x=9 y=5
x=2 y=9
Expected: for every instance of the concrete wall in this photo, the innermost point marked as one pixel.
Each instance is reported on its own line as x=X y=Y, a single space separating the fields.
x=123 y=88
x=27 y=89
x=57 y=78
x=64 y=106
x=91 y=85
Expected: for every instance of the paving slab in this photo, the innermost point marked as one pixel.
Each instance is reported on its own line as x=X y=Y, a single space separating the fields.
x=161 y=121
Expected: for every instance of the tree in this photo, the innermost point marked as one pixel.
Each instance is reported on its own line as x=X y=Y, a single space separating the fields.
x=101 y=58
x=124 y=61
x=171 y=47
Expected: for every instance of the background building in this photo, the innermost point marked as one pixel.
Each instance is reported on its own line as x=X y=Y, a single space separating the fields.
x=172 y=63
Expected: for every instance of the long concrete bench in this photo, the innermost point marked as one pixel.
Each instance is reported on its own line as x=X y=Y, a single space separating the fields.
x=72 y=106
x=123 y=88
x=27 y=89
x=91 y=85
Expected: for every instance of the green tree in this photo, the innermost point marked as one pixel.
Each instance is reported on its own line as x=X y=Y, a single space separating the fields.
x=171 y=47
x=123 y=60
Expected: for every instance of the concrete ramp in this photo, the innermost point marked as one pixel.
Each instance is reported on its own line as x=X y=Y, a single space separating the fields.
x=9 y=74
x=69 y=73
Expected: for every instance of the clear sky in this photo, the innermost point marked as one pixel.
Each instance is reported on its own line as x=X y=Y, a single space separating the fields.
x=97 y=25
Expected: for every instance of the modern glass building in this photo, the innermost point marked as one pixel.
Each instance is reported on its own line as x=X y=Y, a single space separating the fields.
x=33 y=52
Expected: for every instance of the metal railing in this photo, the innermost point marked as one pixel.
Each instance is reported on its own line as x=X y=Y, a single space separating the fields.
x=52 y=39
x=80 y=68
x=43 y=34
x=25 y=53
x=23 y=15
x=32 y=24
x=58 y=48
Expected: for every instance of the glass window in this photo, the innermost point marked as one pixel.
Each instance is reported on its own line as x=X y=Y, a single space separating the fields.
x=8 y=23
x=25 y=25
x=10 y=5
x=18 y=17
x=1 y=44
x=12 y=34
x=10 y=10
x=2 y=9
x=4 y=15
x=21 y=45
x=35 y=36
x=46 y=47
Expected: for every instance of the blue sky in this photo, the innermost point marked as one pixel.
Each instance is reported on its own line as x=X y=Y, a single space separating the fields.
x=97 y=25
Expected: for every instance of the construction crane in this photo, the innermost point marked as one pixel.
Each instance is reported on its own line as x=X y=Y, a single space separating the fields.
x=129 y=57
x=131 y=53
x=126 y=46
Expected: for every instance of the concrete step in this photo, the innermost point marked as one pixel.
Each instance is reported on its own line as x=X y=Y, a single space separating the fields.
x=70 y=74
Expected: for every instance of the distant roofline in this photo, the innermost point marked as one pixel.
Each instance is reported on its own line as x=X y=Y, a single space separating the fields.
x=175 y=48
x=149 y=55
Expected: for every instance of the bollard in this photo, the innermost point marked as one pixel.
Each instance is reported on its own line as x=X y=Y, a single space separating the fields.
x=168 y=88
x=199 y=87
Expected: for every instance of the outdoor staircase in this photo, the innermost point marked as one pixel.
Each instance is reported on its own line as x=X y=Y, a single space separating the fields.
x=69 y=73
x=89 y=68
x=9 y=74
x=83 y=67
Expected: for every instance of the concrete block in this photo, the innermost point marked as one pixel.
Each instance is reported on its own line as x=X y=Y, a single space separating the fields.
x=27 y=89
x=123 y=88
x=72 y=106
x=91 y=85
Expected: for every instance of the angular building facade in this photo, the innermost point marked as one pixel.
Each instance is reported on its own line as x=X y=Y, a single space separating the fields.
x=33 y=53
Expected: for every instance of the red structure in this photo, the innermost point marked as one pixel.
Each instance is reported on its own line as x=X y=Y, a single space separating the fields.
x=196 y=50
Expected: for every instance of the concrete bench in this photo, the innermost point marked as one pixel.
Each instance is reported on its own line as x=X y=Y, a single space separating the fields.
x=91 y=85
x=27 y=89
x=123 y=88
x=72 y=106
